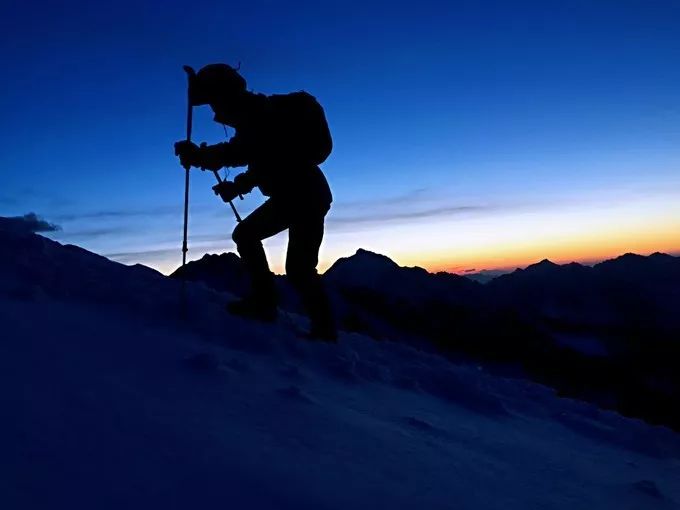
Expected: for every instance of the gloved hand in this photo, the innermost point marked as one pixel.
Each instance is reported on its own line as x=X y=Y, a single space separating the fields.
x=188 y=152
x=205 y=157
x=243 y=183
x=227 y=190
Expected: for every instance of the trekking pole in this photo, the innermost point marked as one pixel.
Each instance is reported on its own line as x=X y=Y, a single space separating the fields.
x=190 y=117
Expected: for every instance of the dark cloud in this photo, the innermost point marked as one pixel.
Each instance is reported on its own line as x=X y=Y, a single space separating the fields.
x=26 y=224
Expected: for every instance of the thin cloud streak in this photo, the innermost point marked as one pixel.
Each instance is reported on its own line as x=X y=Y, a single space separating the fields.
x=410 y=211
x=95 y=233
x=411 y=215
x=141 y=254
x=414 y=196
x=112 y=214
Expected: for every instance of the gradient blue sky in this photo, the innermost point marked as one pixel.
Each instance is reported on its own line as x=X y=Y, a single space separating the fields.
x=467 y=134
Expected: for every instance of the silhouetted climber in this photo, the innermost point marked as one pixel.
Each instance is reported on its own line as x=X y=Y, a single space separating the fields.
x=282 y=139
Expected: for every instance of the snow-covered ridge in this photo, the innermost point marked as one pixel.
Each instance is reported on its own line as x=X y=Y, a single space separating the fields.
x=607 y=334
x=126 y=389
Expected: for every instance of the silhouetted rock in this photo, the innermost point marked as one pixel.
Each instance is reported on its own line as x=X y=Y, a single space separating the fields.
x=371 y=271
x=224 y=272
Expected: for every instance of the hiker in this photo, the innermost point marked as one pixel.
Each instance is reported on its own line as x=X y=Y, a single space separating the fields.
x=282 y=139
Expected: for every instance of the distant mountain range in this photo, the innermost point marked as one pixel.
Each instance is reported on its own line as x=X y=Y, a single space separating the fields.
x=608 y=333
x=485 y=275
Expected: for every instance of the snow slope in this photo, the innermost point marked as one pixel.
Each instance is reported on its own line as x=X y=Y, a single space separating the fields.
x=113 y=397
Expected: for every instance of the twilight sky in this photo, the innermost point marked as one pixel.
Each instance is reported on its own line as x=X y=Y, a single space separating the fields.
x=467 y=135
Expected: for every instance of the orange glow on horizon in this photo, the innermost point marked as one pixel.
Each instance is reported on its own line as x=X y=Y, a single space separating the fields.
x=512 y=257
x=582 y=234
x=587 y=249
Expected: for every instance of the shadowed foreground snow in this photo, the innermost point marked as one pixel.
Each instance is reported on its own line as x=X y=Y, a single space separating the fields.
x=114 y=398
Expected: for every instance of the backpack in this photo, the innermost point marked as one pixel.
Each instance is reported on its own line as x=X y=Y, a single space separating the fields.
x=304 y=125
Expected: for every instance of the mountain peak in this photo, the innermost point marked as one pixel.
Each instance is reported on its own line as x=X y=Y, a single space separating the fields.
x=542 y=265
x=224 y=271
x=630 y=256
x=361 y=252
x=226 y=256
x=657 y=255
x=226 y=259
x=363 y=261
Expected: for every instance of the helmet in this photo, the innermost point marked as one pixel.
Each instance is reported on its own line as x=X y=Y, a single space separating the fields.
x=215 y=80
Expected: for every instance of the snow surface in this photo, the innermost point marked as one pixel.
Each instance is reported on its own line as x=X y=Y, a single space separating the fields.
x=125 y=389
